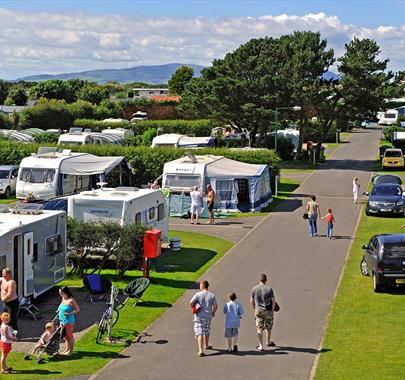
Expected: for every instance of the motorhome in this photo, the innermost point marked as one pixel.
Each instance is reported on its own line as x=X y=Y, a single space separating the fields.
x=388 y=117
x=8 y=179
x=33 y=246
x=49 y=173
x=125 y=205
x=173 y=140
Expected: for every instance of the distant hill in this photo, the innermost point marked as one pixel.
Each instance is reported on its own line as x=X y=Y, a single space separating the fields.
x=147 y=74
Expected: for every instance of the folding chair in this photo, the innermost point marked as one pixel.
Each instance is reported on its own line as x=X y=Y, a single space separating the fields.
x=26 y=307
x=98 y=287
x=135 y=289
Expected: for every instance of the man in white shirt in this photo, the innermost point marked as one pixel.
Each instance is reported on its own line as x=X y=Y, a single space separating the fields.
x=196 y=204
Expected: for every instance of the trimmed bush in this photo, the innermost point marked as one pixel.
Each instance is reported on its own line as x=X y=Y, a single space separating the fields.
x=147 y=163
x=98 y=126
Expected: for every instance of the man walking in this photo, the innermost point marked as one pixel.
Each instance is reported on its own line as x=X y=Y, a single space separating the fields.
x=9 y=296
x=196 y=204
x=210 y=203
x=263 y=303
x=206 y=303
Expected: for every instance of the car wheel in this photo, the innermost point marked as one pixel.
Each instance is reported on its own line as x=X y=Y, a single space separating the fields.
x=363 y=267
x=7 y=193
x=376 y=284
x=367 y=212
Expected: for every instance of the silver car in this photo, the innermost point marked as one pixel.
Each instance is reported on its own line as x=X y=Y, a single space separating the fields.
x=8 y=179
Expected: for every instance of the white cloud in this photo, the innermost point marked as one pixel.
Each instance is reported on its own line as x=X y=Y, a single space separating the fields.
x=33 y=43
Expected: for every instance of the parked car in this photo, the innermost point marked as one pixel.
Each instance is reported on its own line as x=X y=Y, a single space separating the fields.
x=385 y=198
x=384 y=260
x=8 y=179
x=386 y=178
x=393 y=158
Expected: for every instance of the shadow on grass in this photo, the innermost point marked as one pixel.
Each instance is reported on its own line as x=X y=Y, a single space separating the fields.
x=153 y=303
x=186 y=260
x=90 y=354
x=42 y=372
x=178 y=284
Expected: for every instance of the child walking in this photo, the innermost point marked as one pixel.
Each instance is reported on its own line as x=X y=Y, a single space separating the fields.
x=6 y=339
x=330 y=220
x=45 y=337
x=233 y=311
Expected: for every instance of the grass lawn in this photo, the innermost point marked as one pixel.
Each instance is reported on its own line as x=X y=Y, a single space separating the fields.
x=199 y=252
x=364 y=338
x=285 y=188
x=10 y=199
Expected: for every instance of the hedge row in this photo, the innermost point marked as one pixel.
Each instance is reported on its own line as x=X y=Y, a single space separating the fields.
x=147 y=163
x=184 y=127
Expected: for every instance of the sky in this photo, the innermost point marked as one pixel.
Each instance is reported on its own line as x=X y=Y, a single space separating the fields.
x=58 y=36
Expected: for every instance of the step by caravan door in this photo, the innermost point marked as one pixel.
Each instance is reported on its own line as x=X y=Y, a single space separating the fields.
x=28 y=251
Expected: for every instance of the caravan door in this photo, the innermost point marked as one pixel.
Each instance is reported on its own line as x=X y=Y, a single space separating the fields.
x=28 y=270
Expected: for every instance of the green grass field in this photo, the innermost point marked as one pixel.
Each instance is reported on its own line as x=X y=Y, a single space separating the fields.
x=364 y=338
x=10 y=199
x=198 y=253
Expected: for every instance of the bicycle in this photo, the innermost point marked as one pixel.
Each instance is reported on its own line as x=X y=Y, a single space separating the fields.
x=110 y=315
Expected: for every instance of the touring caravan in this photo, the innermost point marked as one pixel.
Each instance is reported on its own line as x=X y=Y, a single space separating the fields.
x=388 y=117
x=49 y=173
x=120 y=132
x=238 y=186
x=83 y=138
x=173 y=140
x=125 y=205
x=33 y=246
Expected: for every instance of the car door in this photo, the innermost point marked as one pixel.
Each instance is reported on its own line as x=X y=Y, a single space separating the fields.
x=374 y=256
x=369 y=255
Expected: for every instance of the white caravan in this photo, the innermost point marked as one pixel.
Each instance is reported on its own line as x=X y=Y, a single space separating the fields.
x=139 y=116
x=33 y=246
x=173 y=140
x=388 y=117
x=120 y=132
x=84 y=138
x=49 y=173
x=125 y=205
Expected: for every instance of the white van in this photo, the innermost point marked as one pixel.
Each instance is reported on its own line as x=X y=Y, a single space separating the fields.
x=125 y=205
x=50 y=173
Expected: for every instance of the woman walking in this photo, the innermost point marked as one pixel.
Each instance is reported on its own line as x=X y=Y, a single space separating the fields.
x=66 y=313
x=313 y=211
x=356 y=189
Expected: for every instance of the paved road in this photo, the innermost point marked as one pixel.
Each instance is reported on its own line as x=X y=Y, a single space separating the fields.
x=304 y=272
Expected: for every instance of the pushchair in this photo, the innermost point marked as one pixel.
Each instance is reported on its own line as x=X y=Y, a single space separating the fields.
x=52 y=347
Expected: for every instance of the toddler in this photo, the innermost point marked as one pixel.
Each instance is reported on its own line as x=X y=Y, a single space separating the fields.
x=233 y=311
x=45 y=337
x=6 y=339
x=330 y=220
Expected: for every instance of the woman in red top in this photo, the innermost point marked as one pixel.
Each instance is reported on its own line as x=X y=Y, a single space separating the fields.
x=329 y=218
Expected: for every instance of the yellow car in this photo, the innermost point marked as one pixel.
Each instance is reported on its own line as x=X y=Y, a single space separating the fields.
x=393 y=158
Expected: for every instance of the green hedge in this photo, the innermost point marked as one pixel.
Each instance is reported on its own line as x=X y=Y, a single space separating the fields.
x=147 y=163
x=98 y=125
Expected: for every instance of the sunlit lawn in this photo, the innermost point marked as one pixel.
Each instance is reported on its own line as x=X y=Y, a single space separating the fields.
x=198 y=253
x=364 y=338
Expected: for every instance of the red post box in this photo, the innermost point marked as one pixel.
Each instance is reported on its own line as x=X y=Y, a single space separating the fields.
x=151 y=244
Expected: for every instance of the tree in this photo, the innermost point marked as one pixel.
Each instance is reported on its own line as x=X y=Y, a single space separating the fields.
x=52 y=89
x=3 y=91
x=18 y=95
x=179 y=79
x=93 y=93
x=363 y=79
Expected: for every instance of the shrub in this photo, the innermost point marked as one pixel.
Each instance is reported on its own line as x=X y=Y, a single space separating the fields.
x=387 y=132
x=5 y=122
x=46 y=137
x=98 y=125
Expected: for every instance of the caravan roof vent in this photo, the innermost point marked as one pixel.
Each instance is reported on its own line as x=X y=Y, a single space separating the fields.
x=191 y=157
x=28 y=209
x=66 y=152
x=46 y=151
x=4 y=209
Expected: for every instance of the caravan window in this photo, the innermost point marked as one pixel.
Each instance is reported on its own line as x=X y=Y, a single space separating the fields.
x=152 y=213
x=161 y=212
x=182 y=180
x=25 y=175
x=37 y=175
x=54 y=245
x=138 y=218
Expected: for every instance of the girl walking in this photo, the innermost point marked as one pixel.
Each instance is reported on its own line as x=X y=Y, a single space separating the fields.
x=330 y=220
x=233 y=311
x=7 y=338
x=356 y=189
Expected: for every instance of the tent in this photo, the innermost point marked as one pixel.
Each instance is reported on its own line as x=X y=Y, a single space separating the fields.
x=238 y=186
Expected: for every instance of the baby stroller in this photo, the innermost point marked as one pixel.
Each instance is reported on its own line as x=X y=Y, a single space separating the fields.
x=52 y=346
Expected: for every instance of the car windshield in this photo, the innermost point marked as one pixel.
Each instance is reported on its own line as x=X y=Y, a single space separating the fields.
x=4 y=174
x=393 y=153
x=393 y=251
x=386 y=190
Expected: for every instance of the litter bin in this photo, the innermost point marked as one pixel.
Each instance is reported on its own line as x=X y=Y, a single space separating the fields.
x=321 y=157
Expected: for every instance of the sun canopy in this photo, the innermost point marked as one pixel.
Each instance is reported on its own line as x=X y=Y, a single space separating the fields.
x=87 y=164
x=231 y=168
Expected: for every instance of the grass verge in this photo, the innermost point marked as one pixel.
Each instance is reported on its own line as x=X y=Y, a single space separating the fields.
x=365 y=330
x=10 y=199
x=199 y=252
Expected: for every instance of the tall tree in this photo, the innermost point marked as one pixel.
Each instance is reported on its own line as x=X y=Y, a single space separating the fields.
x=93 y=93
x=3 y=91
x=18 y=95
x=179 y=79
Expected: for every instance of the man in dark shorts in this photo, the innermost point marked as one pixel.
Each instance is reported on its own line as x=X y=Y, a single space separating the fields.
x=9 y=297
x=210 y=202
x=263 y=303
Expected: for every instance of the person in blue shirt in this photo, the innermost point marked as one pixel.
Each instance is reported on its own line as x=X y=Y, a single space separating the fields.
x=233 y=311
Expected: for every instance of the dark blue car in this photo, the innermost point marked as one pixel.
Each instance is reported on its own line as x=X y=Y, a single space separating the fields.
x=386 y=198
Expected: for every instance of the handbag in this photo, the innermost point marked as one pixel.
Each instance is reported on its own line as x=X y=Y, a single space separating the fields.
x=305 y=216
x=196 y=308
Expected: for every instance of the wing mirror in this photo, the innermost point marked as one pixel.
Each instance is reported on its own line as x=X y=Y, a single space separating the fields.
x=364 y=247
x=366 y=193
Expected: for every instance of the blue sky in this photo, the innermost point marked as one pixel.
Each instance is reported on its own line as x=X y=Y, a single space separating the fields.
x=359 y=12
x=57 y=36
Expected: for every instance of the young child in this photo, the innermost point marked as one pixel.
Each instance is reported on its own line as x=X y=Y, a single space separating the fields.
x=330 y=220
x=6 y=339
x=233 y=313
x=45 y=337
